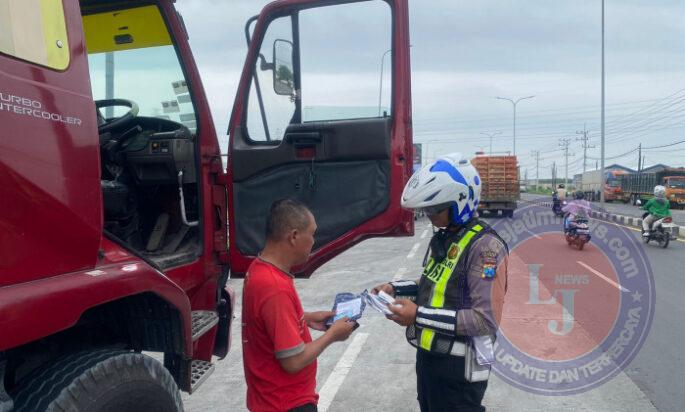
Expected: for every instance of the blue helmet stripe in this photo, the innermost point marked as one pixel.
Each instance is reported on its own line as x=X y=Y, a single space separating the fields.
x=443 y=166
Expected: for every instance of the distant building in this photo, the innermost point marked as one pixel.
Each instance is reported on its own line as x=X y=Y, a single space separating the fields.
x=655 y=168
x=616 y=166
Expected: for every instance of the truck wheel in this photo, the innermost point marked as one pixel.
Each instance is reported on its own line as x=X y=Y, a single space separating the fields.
x=105 y=380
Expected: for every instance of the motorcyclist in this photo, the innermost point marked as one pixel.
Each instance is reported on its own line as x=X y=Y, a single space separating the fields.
x=658 y=208
x=579 y=207
x=561 y=192
x=556 y=203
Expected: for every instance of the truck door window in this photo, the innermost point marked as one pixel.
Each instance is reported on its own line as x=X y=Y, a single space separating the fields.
x=269 y=124
x=142 y=54
x=35 y=31
x=346 y=54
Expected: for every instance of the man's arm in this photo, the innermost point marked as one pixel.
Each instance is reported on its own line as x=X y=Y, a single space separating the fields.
x=487 y=294
x=280 y=316
x=339 y=331
x=407 y=289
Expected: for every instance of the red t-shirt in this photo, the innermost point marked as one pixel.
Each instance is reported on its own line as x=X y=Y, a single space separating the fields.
x=273 y=328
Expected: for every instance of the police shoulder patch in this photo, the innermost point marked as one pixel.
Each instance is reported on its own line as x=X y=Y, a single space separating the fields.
x=489 y=262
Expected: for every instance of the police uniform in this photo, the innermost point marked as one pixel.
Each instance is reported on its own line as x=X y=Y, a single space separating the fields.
x=459 y=296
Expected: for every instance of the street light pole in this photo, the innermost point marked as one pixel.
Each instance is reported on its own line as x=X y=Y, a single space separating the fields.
x=603 y=101
x=514 y=103
x=491 y=135
x=380 y=88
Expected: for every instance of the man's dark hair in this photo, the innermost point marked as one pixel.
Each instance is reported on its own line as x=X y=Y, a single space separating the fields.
x=286 y=215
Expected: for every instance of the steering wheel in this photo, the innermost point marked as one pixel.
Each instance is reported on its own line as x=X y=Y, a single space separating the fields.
x=117 y=122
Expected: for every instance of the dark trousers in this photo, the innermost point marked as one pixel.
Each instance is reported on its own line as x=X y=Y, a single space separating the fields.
x=441 y=385
x=310 y=407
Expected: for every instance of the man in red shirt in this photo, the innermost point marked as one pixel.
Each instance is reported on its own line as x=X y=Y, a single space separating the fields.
x=279 y=355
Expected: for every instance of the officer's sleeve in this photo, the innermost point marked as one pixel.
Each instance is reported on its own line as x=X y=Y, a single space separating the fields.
x=407 y=289
x=487 y=281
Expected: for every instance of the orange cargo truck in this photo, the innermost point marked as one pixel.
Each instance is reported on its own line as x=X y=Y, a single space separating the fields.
x=500 y=187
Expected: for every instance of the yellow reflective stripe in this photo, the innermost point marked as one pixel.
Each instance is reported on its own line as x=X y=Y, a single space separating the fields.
x=54 y=32
x=427 y=338
x=438 y=299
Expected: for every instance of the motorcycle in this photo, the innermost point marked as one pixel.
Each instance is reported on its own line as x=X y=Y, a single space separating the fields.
x=661 y=231
x=577 y=233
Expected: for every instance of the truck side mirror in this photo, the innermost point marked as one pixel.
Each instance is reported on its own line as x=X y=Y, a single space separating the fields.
x=283 y=67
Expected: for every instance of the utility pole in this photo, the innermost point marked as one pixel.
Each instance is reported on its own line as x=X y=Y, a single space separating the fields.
x=536 y=153
x=584 y=144
x=564 y=144
x=554 y=175
x=491 y=135
x=639 y=158
x=602 y=140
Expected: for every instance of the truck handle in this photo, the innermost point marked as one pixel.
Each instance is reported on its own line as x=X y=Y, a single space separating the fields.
x=183 y=202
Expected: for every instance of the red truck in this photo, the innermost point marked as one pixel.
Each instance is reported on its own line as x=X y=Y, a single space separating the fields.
x=120 y=225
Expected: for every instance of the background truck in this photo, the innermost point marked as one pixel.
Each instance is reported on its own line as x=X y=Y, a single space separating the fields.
x=500 y=188
x=121 y=226
x=641 y=185
x=591 y=183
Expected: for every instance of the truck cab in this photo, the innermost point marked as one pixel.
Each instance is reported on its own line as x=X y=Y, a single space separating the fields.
x=675 y=190
x=123 y=224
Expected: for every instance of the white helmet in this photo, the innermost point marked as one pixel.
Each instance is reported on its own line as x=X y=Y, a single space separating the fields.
x=451 y=181
x=659 y=191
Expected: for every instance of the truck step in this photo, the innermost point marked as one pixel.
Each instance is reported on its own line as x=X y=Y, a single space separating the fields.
x=199 y=372
x=203 y=321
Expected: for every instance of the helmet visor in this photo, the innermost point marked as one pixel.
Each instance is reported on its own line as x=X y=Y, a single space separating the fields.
x=434 y=209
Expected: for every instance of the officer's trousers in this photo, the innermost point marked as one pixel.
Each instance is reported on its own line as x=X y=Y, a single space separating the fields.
x=441 y=385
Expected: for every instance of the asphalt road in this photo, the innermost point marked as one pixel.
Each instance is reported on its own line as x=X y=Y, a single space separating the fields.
x=374 y=369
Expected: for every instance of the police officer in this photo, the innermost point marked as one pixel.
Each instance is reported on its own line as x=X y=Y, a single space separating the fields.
x=458 y=300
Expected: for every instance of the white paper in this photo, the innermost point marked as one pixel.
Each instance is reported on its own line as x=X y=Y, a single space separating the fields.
x=484 y=350
x=380 y=302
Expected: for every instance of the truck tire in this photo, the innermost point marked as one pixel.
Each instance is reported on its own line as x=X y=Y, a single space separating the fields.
x=104 y=380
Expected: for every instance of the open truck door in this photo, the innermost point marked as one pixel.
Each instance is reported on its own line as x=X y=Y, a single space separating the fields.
x=322 y=115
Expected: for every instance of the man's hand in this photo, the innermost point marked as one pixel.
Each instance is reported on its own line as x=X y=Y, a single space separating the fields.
x=385 y=287
x=403 y=312
x=317 y=320
x=341 y=329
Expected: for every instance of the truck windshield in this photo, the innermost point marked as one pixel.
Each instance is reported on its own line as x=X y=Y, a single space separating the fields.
x=676 y=183
x=613 y=182
x=140 y=65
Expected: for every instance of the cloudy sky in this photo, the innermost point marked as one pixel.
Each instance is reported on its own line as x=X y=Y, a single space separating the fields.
x=466 y=53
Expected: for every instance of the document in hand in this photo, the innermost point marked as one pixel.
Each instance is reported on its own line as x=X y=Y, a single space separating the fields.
x=347 y=305
x=380 y=301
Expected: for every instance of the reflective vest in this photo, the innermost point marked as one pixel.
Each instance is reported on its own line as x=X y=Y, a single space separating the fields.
x=444 y=285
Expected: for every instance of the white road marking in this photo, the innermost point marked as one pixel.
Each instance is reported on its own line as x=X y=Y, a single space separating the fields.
x=424 y=234
x=342 y=368
x=534 y=235
x=609 y=281
x=399 y=273
x=413 y=250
